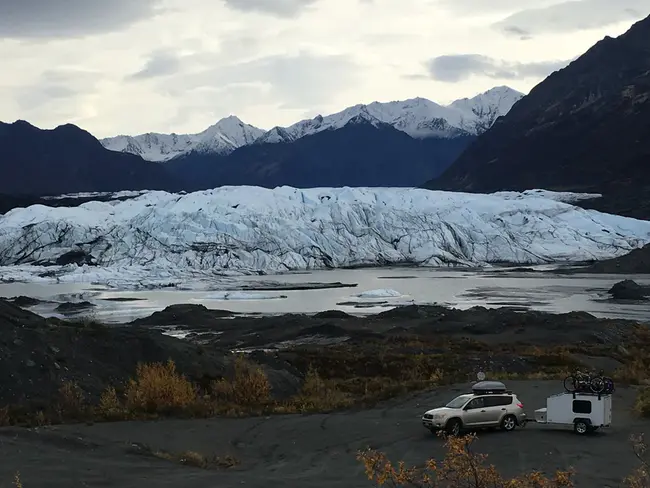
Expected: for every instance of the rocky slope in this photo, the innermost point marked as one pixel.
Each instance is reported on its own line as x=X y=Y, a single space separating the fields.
x=584 y=128
x=69 y=159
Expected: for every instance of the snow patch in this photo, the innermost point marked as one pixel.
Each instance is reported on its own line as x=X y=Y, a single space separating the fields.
x=380 y=293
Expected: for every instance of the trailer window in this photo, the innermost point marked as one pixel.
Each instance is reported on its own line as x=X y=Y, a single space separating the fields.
x=581 y=406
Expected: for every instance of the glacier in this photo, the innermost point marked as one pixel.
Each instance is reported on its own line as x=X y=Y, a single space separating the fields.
x=234 y=230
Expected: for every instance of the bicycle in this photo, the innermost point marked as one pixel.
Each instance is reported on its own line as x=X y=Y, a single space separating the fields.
x=580 y=382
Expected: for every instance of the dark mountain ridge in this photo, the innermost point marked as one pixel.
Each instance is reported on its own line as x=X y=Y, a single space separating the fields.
x=68 y=159
x=584 y=128
x=362 y=153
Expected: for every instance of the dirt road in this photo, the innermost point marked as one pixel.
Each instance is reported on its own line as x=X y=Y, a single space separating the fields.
x=305 y=451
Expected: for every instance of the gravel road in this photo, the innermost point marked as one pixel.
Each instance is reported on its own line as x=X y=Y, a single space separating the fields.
x=310 y=451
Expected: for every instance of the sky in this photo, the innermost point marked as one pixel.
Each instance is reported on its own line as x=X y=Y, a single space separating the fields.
x=136 y=66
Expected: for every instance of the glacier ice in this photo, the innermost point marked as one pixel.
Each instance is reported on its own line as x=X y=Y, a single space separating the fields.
x=233 y=230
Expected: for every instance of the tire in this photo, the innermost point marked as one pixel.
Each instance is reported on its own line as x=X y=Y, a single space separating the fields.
x=570 y=383
x=609 y=385
x=580 y=427
x=453 y=427
x=597 y=384
x=509 y=423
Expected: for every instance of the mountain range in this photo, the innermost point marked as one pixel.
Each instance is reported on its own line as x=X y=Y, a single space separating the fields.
x=363 y=145
x=418 y=117
x=584 y=128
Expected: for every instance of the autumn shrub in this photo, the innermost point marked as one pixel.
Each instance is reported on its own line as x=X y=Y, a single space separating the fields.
x=71 y=401
x=460 y=467
x=642 y=402
x=110 y=407
x=157 y=388
x=249 y=385
x=640 y=478
x=319 y=394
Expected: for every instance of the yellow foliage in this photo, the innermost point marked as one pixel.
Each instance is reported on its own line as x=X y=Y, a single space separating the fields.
x=319 y=394
x=642 y=402
x=71 y=400
x=249 y=386
x=460 y=467
x=158 y=388
x=110 y=406
x=641 y=477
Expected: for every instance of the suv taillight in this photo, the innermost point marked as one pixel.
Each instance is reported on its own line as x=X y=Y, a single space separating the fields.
x=520 y=405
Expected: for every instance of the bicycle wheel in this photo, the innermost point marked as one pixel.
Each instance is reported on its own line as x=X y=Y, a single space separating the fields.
x=570 y=383
x=609 y=384
x=597 y=384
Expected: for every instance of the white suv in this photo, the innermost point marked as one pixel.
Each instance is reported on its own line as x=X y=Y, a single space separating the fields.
x=489 y=405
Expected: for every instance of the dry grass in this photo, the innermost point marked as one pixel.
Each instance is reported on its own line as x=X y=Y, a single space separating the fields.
x=196 y=459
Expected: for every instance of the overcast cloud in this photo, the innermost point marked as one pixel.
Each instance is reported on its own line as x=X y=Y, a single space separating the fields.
x=128 y=67
x=70 y=18
x=453 y=68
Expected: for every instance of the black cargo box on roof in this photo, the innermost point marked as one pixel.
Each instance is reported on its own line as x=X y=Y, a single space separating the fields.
x=489 y=387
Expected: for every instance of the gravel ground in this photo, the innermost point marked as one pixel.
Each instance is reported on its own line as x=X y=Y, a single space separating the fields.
x=305 y=451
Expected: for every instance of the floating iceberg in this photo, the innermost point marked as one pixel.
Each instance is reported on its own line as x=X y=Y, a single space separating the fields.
x=252 y=229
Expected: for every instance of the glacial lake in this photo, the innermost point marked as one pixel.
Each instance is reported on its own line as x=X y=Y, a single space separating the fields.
x=461 y=289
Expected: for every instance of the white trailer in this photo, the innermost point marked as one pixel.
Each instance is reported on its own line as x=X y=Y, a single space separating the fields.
x=586 y=412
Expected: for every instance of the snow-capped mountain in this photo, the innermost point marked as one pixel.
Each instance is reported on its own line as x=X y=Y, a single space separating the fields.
x=418 y=117
x=221 y=138
x=480 y=112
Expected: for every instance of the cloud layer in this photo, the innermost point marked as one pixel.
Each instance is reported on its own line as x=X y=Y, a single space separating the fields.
x=452 y=68
x=69 y=18
x=180 y=65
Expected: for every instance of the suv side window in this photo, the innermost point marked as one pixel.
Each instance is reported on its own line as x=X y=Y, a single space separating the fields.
x=498 y=401
x=475 y=403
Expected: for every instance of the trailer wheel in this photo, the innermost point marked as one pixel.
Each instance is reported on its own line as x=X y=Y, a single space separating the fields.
x=580 y=427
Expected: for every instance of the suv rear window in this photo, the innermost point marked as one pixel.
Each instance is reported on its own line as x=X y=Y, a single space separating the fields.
x=498 y=401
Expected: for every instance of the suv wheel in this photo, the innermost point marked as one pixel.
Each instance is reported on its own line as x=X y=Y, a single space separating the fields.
x=509 y=423
x=453 y=427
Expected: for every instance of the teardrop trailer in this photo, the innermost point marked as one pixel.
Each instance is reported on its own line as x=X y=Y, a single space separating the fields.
x=585 y=412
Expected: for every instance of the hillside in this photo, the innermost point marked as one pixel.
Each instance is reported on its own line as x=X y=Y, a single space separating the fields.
x=362 y=153
x=69 y=159
x=584 y=128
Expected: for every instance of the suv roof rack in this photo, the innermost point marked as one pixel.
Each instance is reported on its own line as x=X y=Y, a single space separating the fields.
x=489 y=388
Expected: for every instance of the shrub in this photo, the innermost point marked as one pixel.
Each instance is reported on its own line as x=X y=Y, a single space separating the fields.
x=157 y=388
x=319 y=394
x=249 y=385
x=642 y=402
x=71 y=400
x=641 y=477
x=460 y=467
x=110 y=407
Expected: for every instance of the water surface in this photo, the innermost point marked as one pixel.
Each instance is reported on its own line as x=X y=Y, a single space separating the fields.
x=461 y=289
